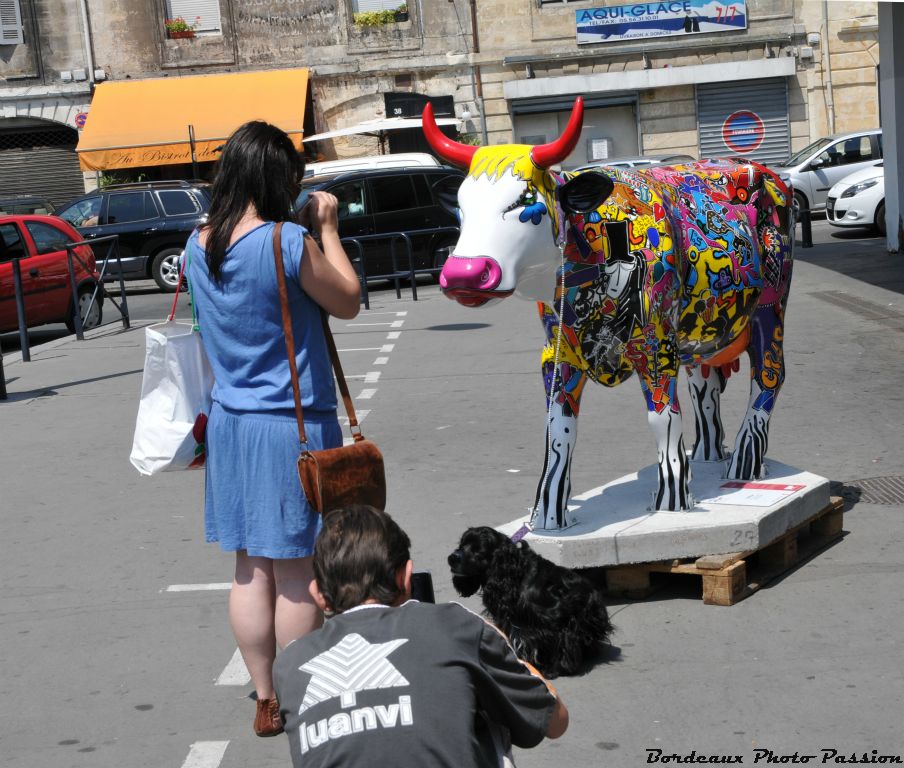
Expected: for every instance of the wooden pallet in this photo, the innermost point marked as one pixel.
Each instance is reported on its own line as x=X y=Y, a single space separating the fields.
x=728 y=579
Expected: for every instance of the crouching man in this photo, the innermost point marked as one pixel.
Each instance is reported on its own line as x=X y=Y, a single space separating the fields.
x=389 y=681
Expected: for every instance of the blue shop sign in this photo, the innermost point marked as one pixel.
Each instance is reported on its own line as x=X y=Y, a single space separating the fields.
x=641 y=20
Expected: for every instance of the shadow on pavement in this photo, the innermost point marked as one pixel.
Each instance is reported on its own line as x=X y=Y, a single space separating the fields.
x=53 y=389
x=853 y=255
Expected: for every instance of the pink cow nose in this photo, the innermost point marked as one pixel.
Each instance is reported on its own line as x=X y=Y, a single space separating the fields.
x=473 y=274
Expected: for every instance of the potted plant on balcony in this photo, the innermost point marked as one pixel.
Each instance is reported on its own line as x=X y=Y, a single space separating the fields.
x=179 y=27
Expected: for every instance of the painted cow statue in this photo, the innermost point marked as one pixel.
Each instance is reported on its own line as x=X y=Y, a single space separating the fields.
x=634 y=271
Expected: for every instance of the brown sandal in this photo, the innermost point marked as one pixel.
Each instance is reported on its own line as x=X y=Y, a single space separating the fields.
x=267 y=720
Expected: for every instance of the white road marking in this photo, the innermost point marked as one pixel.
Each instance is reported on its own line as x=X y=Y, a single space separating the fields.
x=205 y=754
x=366 y=394
x=198 y=587
x=235 y=673
x=393 y=324
x=381 y=361
x=393 y=334
x=397 y=314
x=362 y=414
x=362 y=349
x=387 y=348
x=371 y=377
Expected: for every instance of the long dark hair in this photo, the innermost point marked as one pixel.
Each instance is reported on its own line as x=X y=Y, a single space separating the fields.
x=259 y=165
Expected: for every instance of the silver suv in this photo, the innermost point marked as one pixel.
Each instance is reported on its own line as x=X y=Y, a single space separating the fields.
x=817 y=168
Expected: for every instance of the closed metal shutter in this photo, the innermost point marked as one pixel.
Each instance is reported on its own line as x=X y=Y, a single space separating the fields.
x=748 y=119
x=40 y=162
x=377 y=5
x=204 y=13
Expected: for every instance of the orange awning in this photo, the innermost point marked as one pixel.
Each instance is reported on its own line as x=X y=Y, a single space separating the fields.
x=133 y=123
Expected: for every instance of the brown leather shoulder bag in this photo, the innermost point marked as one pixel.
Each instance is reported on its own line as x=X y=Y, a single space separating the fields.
x=334 y=477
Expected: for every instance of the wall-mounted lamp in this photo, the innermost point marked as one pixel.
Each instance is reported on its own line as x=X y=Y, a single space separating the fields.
x=466 y=114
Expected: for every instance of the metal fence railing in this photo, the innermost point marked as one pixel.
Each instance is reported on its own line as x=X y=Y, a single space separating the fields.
x=402 y=264
x=79 y=308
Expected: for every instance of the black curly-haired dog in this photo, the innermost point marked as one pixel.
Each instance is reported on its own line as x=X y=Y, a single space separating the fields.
x=553 y=616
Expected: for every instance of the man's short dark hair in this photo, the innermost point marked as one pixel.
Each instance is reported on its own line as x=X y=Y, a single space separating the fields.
x=357 y=555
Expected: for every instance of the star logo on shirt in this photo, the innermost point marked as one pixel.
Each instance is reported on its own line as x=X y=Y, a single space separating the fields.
x=352 y=665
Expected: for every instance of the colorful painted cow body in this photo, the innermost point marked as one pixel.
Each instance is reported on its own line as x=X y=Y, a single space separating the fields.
x=654 y=270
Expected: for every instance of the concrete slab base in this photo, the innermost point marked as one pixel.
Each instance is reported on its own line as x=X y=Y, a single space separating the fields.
x=615 y=525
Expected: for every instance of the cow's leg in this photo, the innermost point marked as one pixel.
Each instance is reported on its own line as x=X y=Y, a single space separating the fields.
x=706 y=384
x=664 y=418
x=767 y=372
x=554 y=489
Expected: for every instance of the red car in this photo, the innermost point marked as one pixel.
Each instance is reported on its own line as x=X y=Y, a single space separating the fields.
x=39 y=241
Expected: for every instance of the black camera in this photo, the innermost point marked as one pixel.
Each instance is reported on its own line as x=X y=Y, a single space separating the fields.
x=422 y=587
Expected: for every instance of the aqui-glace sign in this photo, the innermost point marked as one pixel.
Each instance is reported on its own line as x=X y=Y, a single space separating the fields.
x=643 y=20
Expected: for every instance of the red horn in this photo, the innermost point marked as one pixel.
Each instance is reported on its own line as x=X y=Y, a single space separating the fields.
x=455 y=153
x=545 y=155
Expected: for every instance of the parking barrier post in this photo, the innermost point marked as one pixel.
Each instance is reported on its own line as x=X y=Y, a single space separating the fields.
x=76 y=314
x=20 y=311
x=806 y=228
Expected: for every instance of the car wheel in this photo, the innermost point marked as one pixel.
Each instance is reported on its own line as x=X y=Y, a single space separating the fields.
x=880 y=218
x=442 y=252
x=800 y=204
x=91 y=312
x=165 y=269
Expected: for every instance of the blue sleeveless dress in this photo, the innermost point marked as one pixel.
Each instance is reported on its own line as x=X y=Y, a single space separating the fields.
x=253 y=499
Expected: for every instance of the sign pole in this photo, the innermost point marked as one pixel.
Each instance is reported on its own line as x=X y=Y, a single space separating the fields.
x=194 y=157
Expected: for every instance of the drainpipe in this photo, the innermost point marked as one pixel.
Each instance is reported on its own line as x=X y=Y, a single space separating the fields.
x=827 y=68
x=89 y=51
x=475 y=77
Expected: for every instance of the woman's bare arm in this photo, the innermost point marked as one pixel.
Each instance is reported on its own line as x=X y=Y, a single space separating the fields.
x=327 y=275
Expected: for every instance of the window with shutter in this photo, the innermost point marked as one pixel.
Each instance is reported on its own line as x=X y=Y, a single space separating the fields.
x=10 y=23
x=206 y=13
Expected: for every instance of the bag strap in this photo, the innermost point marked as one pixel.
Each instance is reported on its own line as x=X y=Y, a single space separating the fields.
x=290 y=346
x=186 y=263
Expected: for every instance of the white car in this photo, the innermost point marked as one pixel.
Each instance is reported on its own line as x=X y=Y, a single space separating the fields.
x=858 y=200
x=818 y=167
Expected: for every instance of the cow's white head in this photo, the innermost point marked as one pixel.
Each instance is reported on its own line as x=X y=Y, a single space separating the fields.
x=510 y=207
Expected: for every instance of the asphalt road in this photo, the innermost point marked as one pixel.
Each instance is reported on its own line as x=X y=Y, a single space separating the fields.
x=116 y=646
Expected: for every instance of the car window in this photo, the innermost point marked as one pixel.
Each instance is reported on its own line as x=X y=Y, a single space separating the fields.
x=421 y=190
x=83 y=213
x=124 y=207
x=798 y=157
x=393 y=193
x=351 y=199
x=178 y=202
x=445 y=190
x=855 y=150
x=11 y=245
x=47 y=237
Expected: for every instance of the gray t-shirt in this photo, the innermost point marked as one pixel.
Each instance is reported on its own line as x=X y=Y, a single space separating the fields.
x=407 y=686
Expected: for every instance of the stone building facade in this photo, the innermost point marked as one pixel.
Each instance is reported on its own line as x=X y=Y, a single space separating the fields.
x=809 y=64
x=804 y=67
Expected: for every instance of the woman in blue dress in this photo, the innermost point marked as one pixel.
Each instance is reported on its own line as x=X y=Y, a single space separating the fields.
x=254 y=505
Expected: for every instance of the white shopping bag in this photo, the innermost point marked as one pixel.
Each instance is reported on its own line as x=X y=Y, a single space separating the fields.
x=175 y=400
